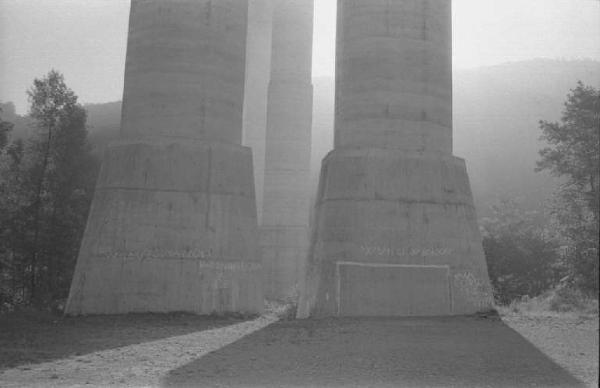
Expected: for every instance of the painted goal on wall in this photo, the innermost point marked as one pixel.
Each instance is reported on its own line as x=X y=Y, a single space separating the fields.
x=383 y=289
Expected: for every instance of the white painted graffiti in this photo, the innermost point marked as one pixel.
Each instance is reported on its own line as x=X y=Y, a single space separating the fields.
x=405 y=251
x=160 y=253
x=202 y=258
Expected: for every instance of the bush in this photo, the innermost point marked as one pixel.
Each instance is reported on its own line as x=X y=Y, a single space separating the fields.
x=520 y=265
x=566 y=299
x=521 y=254
x=562 y=299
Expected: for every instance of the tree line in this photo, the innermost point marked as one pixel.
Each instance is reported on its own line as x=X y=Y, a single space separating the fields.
x=525 y=258
x=47 y=183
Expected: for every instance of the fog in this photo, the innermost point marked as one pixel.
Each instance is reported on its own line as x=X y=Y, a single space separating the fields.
x=86 y=41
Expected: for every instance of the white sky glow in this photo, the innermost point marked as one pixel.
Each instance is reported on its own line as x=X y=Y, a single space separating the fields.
x=86 y=40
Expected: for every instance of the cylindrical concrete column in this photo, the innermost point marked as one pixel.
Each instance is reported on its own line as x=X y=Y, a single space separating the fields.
x=395 y=229
x=284 y=228
x=258 y=73
x=184 y=73
x=291 y=58
x=172 y=226
x=289 y=115
x=394 y=75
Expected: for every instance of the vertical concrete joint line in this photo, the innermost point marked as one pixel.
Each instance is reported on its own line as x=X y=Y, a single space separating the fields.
x=208 y=192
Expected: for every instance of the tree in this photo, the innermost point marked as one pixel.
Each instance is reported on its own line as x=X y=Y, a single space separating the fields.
x=48 y=182
x=522 y=258
x=5 y=128
x=574 y=155
x=51 y=103
x=11 y=220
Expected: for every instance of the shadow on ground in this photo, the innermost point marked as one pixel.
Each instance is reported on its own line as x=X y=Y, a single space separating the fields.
x=391 y=352
x=34 y=337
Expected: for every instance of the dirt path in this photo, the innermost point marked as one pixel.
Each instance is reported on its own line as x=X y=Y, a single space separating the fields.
x=569 y=340
x=138 y=364
x=434 y=352
x=167 y=350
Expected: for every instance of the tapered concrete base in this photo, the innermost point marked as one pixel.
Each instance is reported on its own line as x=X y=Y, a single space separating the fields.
x=395 y=234
x=284 y=250
x=172 y=227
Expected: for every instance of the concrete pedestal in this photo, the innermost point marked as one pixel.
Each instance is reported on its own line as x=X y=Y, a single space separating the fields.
x=172 y=227
x=399 y=214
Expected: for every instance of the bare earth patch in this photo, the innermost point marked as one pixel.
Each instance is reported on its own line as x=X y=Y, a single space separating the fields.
x=186 y=350
x=377 y=352
x=128 y=350
x=570 y=340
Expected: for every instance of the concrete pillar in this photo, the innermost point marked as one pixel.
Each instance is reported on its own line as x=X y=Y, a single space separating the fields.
x=284 y=229
x=258 y=72
x=172 y=226
x=395 y=231
x=394 y=76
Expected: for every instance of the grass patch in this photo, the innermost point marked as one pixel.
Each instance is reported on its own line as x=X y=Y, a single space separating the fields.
x=563 y=300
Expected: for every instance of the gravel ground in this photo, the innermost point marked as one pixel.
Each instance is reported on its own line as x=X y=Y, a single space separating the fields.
x=569 y=340
x=184 y=350
x=409 y=352
x=133 y=364
x=31 y=338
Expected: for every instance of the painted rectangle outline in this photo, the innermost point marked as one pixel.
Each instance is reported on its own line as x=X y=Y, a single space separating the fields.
x=384 y=265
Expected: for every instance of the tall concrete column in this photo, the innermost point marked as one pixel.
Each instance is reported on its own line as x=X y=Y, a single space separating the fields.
x=258 y=72
x=396 y=231
x=284 y=229
x=172 y=226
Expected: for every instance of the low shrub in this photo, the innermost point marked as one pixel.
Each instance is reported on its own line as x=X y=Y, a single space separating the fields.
x=557 y=300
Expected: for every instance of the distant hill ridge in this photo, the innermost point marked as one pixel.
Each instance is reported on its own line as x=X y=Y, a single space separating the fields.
x=496 y=124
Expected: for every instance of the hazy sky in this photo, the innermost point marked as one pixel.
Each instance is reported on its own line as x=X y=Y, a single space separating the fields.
x=86 y=40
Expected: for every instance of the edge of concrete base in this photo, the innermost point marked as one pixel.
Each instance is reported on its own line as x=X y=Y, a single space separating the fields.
x=172 y=227
x=359 y=184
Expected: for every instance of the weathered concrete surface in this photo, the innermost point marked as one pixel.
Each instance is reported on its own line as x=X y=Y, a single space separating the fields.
x=258 y=69
x=394 y=75
x=383 y=207
x=172 y=226
x=285 y=220
x=390 y=192
x=284 y=250
x=184 y=71
x=416 y=290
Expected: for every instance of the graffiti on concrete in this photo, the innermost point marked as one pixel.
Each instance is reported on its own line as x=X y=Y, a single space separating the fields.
x=203 y=258
x=404 y=251
x=159 y=254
